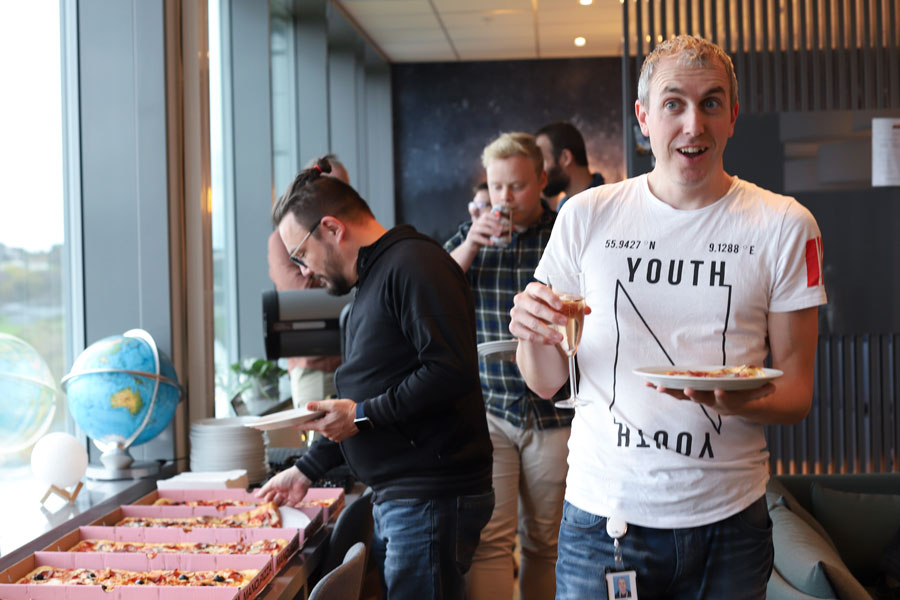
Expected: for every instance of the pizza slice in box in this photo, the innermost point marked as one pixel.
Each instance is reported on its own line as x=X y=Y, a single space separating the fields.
x=265 y=515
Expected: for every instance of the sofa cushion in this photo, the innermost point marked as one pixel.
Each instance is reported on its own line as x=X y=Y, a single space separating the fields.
x=779 y=589
x=809 y=563
x=777 y=493
x=861 y=526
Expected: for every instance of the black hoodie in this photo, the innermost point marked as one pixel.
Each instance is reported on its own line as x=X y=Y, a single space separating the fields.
x=411 y=359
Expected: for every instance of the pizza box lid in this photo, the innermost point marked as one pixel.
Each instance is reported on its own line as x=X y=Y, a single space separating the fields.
x=135 y=562
x=294 y=537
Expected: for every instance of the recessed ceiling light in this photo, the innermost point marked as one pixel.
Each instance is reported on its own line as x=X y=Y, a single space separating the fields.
x=585 y=2
x=580 y=41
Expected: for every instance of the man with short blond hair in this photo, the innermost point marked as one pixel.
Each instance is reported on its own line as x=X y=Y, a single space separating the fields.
x=528 y=433
x=686 y=265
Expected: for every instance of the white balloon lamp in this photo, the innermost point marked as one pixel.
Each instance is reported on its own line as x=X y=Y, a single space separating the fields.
x=59 y=461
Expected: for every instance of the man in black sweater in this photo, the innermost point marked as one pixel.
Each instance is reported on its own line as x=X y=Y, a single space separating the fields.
x=409 y=421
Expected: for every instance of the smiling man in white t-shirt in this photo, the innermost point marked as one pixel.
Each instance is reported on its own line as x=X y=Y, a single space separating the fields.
x=686 y=265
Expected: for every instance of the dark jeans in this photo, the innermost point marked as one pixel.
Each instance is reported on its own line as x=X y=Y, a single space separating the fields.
x=729 y=559
x=424 y=548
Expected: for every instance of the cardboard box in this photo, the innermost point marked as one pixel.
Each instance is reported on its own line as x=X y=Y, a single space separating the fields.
x=295 y=538
x=134 y=562
x=196 y=480
x=331 y=511
x=142 y=510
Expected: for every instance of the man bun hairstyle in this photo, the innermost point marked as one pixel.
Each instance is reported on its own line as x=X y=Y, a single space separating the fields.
x=563 y=135
x=688 y=50
x=313 y=195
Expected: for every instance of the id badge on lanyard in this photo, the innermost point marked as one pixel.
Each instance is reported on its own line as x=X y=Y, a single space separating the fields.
x=620 y=583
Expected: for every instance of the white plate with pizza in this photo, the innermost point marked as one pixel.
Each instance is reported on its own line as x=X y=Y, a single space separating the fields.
x=285 y=418
x=707 y=378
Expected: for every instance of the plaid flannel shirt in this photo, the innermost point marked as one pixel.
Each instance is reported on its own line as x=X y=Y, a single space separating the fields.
x=496 y=275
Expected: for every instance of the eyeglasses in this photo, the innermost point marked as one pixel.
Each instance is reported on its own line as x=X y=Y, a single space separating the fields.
x=293 y=254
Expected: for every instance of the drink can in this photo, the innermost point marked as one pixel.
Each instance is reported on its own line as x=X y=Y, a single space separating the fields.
x=505 y=238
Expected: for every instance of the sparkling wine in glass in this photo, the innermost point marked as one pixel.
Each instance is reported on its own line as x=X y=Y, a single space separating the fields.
x=569 y=287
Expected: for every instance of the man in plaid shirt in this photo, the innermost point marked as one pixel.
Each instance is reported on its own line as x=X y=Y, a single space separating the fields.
x=528 y=433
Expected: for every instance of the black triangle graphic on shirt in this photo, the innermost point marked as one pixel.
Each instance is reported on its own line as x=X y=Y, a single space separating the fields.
x=715 y=422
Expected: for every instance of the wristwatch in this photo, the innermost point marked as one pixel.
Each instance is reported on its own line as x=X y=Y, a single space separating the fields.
x=361 y=421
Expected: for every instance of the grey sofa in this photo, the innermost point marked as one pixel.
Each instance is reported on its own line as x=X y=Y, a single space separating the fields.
x=835 y=536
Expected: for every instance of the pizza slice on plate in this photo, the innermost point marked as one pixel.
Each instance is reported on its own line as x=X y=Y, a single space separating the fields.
x=742 y=371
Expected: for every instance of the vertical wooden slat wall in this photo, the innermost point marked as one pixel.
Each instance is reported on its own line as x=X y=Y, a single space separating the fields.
x=893 y=27
x=627 y=92
x=853 y=426
x=789 y=55
x=778 y=87
x=816 y=57
x=829 y=57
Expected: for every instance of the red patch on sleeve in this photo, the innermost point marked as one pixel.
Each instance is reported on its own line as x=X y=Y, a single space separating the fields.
x=814 y=262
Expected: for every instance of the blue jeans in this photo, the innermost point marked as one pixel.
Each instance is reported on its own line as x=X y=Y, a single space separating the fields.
x=729 y=559
x=423 y=548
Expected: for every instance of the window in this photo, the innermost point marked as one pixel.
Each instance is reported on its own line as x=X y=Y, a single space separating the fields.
x=223 y=242
x=34 y=303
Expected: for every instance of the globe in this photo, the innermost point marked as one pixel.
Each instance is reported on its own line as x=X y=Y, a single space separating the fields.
x=111 y=390
x=28 y=395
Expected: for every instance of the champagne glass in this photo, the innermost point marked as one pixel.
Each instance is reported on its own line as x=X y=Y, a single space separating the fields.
x=569 y=287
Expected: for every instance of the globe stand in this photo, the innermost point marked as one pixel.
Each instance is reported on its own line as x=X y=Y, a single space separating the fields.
x=119 y=464
x=137 y=470
x=63 y=493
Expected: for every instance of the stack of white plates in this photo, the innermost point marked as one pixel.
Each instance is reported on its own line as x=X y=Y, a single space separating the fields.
x=225 y=444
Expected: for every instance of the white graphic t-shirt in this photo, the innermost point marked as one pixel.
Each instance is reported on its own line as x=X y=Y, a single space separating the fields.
x=675 y=287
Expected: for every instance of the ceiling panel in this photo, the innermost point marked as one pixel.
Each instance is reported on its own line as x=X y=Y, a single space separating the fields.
x=423 y=51
x=496 y=45
x=496 y=22
x=370 y=7
x=506 y=54
x=451 y=6
x=487 y=29
x=391 y=22
x=605 y=48
x=417 y=36
x=569 y=4
x=574 y=20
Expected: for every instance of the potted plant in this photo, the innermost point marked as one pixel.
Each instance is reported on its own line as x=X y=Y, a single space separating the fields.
x=257 y=380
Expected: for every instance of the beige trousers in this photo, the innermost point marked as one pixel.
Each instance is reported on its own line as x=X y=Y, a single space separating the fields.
x=529 y=484
x=310 y=384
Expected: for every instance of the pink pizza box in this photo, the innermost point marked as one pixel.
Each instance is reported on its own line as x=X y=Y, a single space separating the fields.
x=135 y=562
x=336 y=495
x=332 y=511
x=294 y=537
x=110 y=519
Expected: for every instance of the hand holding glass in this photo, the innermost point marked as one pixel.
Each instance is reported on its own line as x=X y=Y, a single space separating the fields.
x=569 y=287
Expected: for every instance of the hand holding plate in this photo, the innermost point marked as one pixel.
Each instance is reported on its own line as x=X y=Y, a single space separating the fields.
x=723 y=402
x=337 y=423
